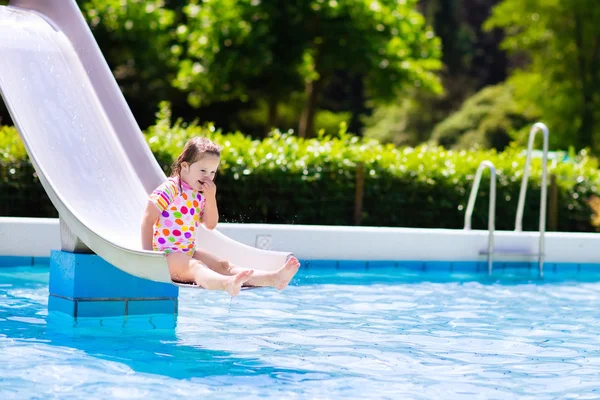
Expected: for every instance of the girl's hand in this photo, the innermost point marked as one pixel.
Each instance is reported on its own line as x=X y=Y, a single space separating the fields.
x=209 y=189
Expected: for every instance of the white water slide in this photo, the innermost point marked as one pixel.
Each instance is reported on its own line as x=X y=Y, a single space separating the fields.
x=85 y=145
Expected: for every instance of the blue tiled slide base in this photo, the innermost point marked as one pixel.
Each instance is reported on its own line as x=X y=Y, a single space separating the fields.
x=144 y=322
x=111 y=307
x=85 y=285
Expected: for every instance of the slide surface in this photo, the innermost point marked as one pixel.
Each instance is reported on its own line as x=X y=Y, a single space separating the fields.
x=85 y=145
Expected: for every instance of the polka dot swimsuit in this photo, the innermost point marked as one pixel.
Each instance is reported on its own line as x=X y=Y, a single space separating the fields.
x=180 y=213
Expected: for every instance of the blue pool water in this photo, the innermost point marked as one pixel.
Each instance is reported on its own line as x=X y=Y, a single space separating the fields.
x=353 y=335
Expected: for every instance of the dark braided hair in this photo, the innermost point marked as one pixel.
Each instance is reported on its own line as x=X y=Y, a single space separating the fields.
x=193 y=151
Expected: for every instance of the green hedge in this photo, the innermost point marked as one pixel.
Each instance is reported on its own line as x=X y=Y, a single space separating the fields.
x=285 y=179
x=21 y=193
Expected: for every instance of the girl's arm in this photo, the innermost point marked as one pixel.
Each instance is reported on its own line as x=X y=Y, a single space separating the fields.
x=210 y=213
x=151 y=214
x=158 y=201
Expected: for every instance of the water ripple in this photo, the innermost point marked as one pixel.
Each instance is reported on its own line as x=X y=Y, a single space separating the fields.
x=413 y=340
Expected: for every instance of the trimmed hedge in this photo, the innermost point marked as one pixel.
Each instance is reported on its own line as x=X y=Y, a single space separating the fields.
x=286 y=179
x=21 y=193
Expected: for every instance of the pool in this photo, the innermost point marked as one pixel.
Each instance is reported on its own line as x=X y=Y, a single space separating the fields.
x=381 y=333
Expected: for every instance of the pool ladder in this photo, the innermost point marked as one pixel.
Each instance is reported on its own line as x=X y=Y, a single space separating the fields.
x=519 y=218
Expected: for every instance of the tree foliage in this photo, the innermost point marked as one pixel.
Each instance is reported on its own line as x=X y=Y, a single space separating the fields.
x=236 y=49
x=560 y=41
x=489 y=119
x=471 y=61
x=136 y=38
x=230 y=51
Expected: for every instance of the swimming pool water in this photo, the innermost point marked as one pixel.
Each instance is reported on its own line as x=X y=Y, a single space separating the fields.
x=331 y=335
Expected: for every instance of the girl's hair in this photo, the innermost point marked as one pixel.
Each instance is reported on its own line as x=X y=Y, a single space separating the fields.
x=194 y=150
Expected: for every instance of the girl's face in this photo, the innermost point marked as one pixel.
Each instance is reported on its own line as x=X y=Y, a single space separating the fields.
x=201 y=171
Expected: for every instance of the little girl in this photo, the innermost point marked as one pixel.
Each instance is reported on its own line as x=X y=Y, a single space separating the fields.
x=178 y=206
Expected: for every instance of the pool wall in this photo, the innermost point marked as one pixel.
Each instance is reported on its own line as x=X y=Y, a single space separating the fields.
x=29 y=241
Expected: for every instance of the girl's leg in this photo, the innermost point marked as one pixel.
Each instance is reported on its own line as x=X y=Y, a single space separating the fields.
x=278 y=279
x=183 y=268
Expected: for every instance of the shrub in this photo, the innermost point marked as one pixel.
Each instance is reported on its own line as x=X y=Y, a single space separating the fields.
x=286 y=179
x=21 y=193
x=487 y=119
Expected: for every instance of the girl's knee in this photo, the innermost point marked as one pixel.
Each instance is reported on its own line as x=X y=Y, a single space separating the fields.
x=226 y=267
x=180 y=266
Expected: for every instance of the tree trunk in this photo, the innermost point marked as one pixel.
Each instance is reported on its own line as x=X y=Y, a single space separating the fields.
x=586 y=131
x=594 y=87
x=587 y=113
x=307 y=119
x=271 y=116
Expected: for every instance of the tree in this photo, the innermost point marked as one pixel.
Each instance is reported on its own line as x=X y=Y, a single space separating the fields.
x=560 y=40
x=488 y=119
x=385 y=43
x=136 y=38
x=249 y=48
x=240 y=50
x=471 y=60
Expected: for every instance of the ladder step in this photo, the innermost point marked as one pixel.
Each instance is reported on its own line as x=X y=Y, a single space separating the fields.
x=511 y=253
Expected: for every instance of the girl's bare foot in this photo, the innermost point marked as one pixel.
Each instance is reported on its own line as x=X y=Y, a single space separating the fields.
x=285 y=274
x=235 y=282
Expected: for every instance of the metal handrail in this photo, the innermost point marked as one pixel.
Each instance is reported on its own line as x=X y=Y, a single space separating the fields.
x=544 y=194
x=492 y=206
